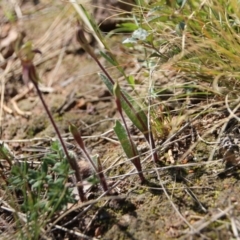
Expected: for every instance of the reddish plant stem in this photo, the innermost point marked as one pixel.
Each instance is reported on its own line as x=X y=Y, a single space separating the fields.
x=71 y=161
x=148 y=136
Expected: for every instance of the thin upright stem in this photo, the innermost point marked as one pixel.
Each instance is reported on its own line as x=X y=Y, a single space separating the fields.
x=71 y=161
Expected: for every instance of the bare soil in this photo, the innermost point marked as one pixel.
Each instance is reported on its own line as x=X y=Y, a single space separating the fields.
x=200 y=201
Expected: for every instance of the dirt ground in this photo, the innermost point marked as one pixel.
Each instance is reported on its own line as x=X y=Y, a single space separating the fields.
x=197 y=202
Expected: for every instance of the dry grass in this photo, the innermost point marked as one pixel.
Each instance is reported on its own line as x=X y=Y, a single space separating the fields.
x=186 y=80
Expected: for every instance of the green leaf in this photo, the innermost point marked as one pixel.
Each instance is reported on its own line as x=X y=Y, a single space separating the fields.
x=5 y=152
x=131 y=80
x=50 y=159
x=94 y=180
x=128 y=26
x=37 y=184
x=16 y=182
x=41 y=204
x=60 y=181
x=116 y=90
x=139 y=34
x=130 y=107
x=60 y=168
x=108 y=58
x=55 y=146
x=44 y=167
x=128 y=147
x=49 y=178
